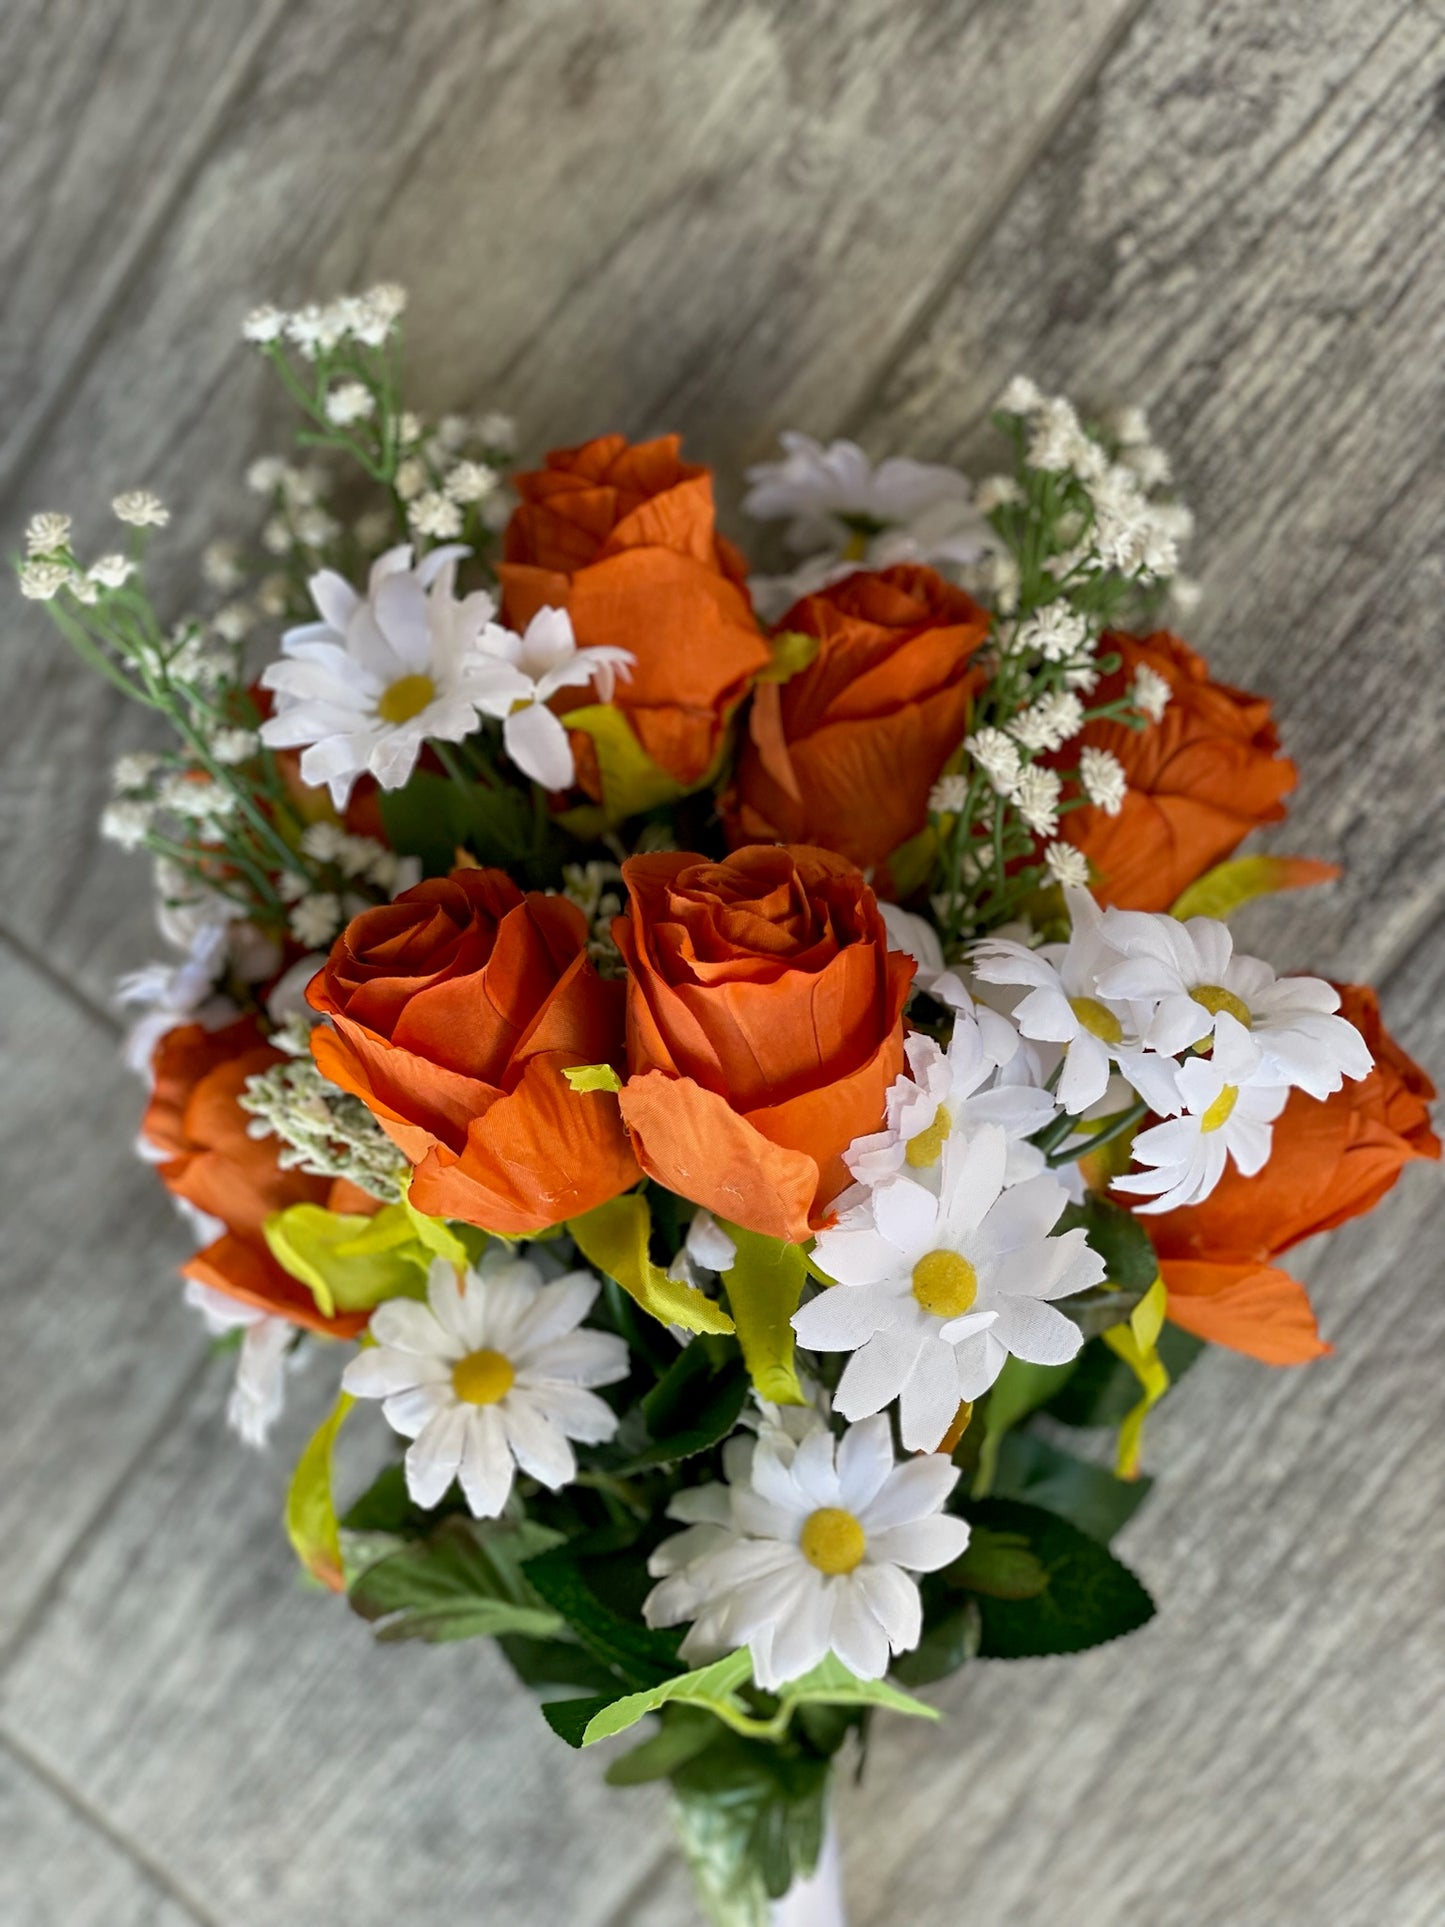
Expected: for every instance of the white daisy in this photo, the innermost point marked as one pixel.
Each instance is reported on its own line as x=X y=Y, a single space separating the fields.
x=936 y=1289
x=545 y=659
x=806 y=1547
x=1190 y=975
x=854 y=515
x=362 y=689
x=488 y=1376
x=1064 y=1005
x=1227 y=1114
x=951 y=1094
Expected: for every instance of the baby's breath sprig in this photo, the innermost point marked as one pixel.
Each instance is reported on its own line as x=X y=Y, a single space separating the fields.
x=1082 y=538
x=322 y=1130
x=341 y=365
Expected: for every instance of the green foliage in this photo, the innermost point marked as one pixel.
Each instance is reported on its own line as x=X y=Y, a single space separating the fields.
x=763 y=1286
x=711 y=1687
x=433 y=817
x=1019 y=1389
x=1103 y=1390
x=464 y=1582
x=751 y=1819
x=641 y=1657
x=952 y=1629
x=1088 y=1496
x=1043 y=1586
x=1120 y=1240
x=692 y=1407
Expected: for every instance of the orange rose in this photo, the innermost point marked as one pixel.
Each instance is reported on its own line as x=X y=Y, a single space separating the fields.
x=764 y=1026
x=1332 y=1160
x=1199 y=780
x=622 y=537
x=845 y=753
x=456 y=1009
x=194 y=1116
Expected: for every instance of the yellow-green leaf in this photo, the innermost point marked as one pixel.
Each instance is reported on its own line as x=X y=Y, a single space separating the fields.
x=614 y=1238
x=1137 y=1343
x=631 y=781
x=350 y=1262
x=592 y=1077
x=764 y=1285
x=911 y=864
x=435 y=1234
x=792 y=651
x=1221 y=891
x=310 y=1509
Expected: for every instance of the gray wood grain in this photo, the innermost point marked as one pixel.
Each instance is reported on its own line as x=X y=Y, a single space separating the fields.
x=57 y=1869
x=97 y=1344
x=715 y=218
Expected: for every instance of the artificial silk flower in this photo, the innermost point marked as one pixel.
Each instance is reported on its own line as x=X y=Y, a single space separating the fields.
x=935 y=1289
x=834 y=497
x=258 y=1391
x=489 y=1377
x=547 y=656
x=364 y=688
x=950 y=1094
x=1190 y=975
x=1065 y=1005
x=807 y=1547
x=1228 y=1113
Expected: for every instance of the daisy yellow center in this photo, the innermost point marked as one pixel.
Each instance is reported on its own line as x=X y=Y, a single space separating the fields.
x=1216 y=998
x=481 y=1378
x=1097 y=1019
x=945 y=1283
x=925 y=1148
x=1220 y=1110
x=408 y=696
x=832 y=1540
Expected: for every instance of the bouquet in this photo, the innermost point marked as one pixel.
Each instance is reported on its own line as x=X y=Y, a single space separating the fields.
x=744 y=1081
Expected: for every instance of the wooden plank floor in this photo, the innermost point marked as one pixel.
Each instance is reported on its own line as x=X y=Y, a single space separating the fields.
x=729 y=216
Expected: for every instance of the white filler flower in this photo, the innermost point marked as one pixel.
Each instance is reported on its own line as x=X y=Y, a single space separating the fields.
x=362 y=689
x=936 y=1290
x=805 y=1549
x=490 y=1375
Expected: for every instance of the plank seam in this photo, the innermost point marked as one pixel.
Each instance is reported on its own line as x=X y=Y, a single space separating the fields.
x=116 y=281
x=31 y=1619
x=31 y=961
x=934 y=300
x=95 y=1821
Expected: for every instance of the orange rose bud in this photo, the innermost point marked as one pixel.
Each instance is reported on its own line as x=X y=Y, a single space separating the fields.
x=764 y=1026
x=845 y=753
x=195 y=1117
x=1332 y=1160
x=622 y=536
x=1199 y=780
x=456 y=1009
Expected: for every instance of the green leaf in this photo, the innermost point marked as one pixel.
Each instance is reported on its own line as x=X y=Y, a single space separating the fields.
x=643 y=1657
x=385 y=1506
x=311 y=1524
x=999 y=1565
x=614 y=1237
x=348 y=1262
x=692 y=1408
x=432 y=818
x=555 y=1662
x=1086 y=1597
x=709 y=1687
x=1019 y=1389
x=678 y=1740
x=631 y=781
x=1088 y=1496
x=465 y=1582
x=751 y=1820
x=592 y=1077
x=831 y=1684
x=1120 y=1240
x=950 y=1636
x=1221 y=891
x=1103 y=1390
x=763 y=1286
